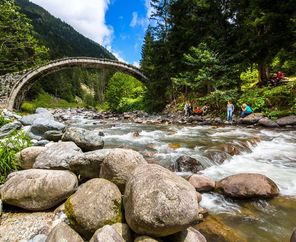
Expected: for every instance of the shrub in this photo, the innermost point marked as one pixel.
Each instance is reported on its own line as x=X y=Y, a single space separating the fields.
x=3 y=121
x=9 y=147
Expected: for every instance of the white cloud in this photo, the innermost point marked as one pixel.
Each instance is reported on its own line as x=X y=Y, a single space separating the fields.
x=138 y=21
x=87 y=17
x=117 y=54
x=136 y=64
x=149 y=8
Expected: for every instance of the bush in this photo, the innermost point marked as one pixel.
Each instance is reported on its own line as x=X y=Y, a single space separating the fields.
x=9 y=147
x=3 y=121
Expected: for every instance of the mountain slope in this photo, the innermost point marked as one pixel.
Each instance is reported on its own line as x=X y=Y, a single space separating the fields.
x=61 y=39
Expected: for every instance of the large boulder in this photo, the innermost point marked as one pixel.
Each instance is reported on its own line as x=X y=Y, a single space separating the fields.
x=202 y=183
x=189 y=235
x=247 y=185
x=124 y=231
x=64 y=233
x=57 y=156
x=88 y=164
x=42 y=125
x=266 y=122
x=158 y=203
x=96 y=203
x=53 y=135
x=106 y=234
x=87 y=140
x=186 y=163
x=289 y=120
x=38 y=190
x=251 y=119
x=28 y=156
x=42 y=113
x=119 y=164
x=9 y=128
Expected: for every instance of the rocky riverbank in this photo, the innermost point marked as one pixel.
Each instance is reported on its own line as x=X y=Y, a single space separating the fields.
x=80 y=191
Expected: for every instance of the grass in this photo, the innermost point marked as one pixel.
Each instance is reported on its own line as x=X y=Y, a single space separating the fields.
x=3 y=121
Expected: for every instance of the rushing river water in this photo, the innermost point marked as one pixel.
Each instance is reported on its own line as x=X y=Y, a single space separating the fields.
x=264 y=151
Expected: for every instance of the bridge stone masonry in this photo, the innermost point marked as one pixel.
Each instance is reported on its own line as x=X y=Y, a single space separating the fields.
x=14 y=86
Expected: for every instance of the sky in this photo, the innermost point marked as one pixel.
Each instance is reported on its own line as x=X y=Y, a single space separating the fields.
x=118 y=25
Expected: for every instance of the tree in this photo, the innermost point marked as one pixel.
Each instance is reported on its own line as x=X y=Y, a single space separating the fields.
x=18 y=48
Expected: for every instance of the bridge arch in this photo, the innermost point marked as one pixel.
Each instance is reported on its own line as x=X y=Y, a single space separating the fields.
x=25 y=82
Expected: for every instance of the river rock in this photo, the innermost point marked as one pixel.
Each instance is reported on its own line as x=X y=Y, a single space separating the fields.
x=29 y=119
x=124 y=231
x=189 y=235
x=87 y=140
x=248 y=185
x=186 y=163
x=53 y=135
x=289 y=120
x=38 y=190
x=7 y=129
x=119 y=164
x=202 y=183
x=158 y=203
x=57 y=156
x=251 y=119
x=106 y=234
x=38 y=238
x=41 y=125
x=146 y=239
x=95 y=204
x=293 y=236
x=28 y=156
x=266 y=122
x=64 y=233
x=88 y=165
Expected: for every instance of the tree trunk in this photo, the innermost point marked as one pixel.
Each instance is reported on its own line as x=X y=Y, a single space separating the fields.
x=263 y=74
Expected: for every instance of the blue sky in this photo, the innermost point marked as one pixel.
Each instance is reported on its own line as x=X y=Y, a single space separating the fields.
x=118 y=25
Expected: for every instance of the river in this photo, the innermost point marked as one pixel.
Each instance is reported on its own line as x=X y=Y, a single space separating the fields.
x=271 y=152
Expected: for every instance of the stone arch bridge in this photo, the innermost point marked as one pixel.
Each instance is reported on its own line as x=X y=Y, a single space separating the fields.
x=13 y=87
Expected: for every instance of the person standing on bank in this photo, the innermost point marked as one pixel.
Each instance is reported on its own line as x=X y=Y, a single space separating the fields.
x=230 y=110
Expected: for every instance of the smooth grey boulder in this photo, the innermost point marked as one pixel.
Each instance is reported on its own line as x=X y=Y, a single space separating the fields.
x=38 y=190
x=159 y=203
x=251 y=118
x=53 y=135
x=42 y=125
x=57 y=156
x=88 y=164
x=95 y=204
x=7 y=129
x=64 y=233
x=289 y=120
x=41 y=143
x=119 y=164
x=266 y=122
x=189 y=235
x=124 y=231
x=28 y=156
x=87 y=140
x=106 y=234
x=146 y=239
x=29 y=119
x=247 y=185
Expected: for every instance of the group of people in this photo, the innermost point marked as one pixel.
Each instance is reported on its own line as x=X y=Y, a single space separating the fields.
x=245 y=110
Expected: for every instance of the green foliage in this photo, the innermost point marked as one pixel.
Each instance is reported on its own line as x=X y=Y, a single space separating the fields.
x=9 y=147
x=249 y=78
x=18 y=48
x=124 y=93
x=3 y=121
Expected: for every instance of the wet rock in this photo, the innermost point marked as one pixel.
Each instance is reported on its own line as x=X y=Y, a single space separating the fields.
x=63 y=232
x=186 y=163
x=189 y=235
x=95 y=204
x=124 y=231
x=217 y=156
x=41 y=143
x=158 y=203
x=146 y=239
x=7 y=129
x=29 y=119
x=247 y=185
x=85 y=139
x=88 y=165
x=28 y=156
x=119 y=164
x=106 y=234
x=266 y=122
x=38 y=190
x=42 y=125
x=192 y=119
x=230 y=149
x=293 y=236
x=214 y=230
x=289 y=120
x=57 y=156
x=251 y=119
x=53 y=135
x=198 y=197
x=202 y=183
x=39 y=238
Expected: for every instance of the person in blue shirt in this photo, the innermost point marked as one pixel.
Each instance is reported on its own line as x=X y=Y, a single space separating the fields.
x=246 y=110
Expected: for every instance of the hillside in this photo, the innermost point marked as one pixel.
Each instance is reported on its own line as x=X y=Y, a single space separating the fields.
x=61 y=39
